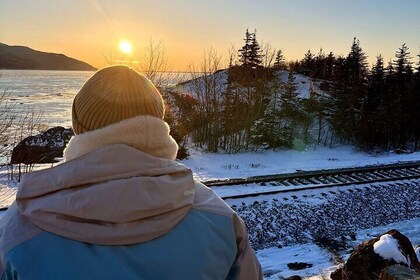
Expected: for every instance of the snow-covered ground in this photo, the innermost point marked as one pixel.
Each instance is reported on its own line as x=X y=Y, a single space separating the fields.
x=274 y=259
x=220 y=166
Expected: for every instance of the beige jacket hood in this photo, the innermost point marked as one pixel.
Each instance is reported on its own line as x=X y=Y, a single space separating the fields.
x=114 y=195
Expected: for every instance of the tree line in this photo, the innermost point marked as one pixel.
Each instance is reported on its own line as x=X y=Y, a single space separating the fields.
x=375 y=108
x=255 y=103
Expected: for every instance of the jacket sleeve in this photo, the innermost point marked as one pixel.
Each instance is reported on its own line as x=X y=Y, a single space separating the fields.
x=246 y=265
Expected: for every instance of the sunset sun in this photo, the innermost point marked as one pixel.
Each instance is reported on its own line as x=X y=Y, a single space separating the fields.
x=126 y=47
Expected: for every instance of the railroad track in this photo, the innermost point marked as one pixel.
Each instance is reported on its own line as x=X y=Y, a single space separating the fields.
x=292 y=182
x=299 y=181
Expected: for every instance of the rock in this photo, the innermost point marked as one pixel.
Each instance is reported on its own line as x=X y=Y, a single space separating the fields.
x=299 y=265
x=294 y=277
x=365 y=264
x=42 y=148
x=398 y=272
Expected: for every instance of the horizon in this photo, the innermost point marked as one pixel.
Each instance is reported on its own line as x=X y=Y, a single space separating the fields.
x=92 y=30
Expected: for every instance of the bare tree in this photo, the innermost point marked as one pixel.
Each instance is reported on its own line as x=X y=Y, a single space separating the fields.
x=207 y=87
x=28 y=124
x=268 y=54
x=154 y=63
x=232 y=56
x=7 y=118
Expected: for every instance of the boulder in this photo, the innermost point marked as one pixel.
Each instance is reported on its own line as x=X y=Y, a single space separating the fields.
x=294 y=277
x=299 y=265
x=398 y=272
x=42 y=148
x=366 y=264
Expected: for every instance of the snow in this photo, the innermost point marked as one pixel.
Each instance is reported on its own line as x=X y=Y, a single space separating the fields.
x=274 y=260
x=388 y=248
x=410 y=228
x=199 y=84
x=303 y=84
x=212 y=166
x=329 y=218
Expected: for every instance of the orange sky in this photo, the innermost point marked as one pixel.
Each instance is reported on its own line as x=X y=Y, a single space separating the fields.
x=89 y=29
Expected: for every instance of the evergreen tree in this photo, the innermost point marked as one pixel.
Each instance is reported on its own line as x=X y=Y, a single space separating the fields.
x=371 y=130
x=403 y=96
x=418 y=64
x=356 y=62
x=415 y=105
x=377 y=81
x=289 y=110
x=266 y=131
x=244 y=52
x=319 y=65
x=349 y=94
x=329 y=66
x=308 y=63
x=316 y=106
x=279 y=62
x=250 y=53
x=402 y=63
x=255 y=57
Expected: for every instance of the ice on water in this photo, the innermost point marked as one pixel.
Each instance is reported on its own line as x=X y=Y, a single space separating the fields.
x=47 y=93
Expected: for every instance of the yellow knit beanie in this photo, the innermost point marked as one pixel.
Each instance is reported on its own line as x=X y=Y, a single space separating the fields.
x=114 y=94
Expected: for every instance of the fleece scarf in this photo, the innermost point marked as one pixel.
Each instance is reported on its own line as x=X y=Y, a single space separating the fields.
x=145 y=133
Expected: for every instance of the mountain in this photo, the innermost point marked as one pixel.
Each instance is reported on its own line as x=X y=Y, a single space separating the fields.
x=20 y=57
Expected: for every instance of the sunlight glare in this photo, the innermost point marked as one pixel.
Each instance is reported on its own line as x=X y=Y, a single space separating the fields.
x=126 y=47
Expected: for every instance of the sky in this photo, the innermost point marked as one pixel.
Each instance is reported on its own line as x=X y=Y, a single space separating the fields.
x=91 y=30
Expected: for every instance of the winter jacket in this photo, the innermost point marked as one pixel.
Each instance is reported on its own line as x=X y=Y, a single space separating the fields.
x=118 y=210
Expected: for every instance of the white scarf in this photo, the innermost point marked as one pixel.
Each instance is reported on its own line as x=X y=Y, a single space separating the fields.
x=145 y=133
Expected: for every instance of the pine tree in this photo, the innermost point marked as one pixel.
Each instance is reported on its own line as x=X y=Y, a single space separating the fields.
x=244 y=52
x=267 y=130
x=349 y=94
x=402 y=63
x=250 y=53
x=255 y=57
x=279 y=62
x=377 y=81
x=403 y=79
x=418 y=64
x=356 y=61
x=371 y=131
x=308 y=63
x=289 y=110
x=329 y=66
x=319 y=65
x=415 y=103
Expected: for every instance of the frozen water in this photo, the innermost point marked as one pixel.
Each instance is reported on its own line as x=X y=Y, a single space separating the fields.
x=48 y=93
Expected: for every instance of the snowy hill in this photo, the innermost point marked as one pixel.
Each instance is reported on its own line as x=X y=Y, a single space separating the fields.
x=277 y=109
x=197 y=86
x=218 y=81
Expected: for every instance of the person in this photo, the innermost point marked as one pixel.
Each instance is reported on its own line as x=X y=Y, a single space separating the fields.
x=119 y=206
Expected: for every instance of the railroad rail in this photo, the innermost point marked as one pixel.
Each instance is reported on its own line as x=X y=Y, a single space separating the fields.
x=305 y=180
x=293 y=182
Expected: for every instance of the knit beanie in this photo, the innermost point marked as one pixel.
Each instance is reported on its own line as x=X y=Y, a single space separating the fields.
x=114 y=94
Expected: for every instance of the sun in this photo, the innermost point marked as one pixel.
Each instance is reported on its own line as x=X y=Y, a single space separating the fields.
x=126 y=47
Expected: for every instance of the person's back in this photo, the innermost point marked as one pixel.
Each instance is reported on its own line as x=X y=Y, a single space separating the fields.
x=119 y=207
